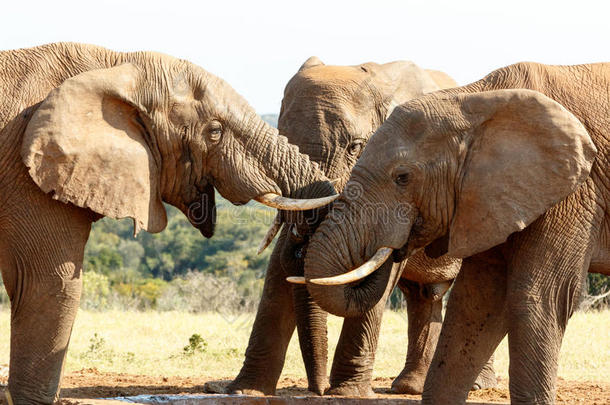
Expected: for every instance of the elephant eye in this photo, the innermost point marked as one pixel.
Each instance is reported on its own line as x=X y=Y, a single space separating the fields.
x=214 y=131
x=355 y=148
x=402 y=179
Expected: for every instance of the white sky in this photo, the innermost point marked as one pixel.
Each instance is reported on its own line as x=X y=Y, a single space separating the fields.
x=258 y=45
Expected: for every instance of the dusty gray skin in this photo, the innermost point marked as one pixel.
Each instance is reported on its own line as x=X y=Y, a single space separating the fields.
x=330 y=112
x=86 y=132
x=509 y=173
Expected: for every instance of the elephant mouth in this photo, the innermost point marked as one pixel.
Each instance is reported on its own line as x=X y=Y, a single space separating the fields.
x=398 y=255
x=302 y=225
x=360 y=272
x=201 y=212
x=370 y=266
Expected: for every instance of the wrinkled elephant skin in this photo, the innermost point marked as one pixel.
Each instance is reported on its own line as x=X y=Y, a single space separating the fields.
x=510 y=174
x=330 y=112
x=86 y=132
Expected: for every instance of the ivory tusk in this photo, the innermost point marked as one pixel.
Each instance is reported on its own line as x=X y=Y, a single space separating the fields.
x=296 y=280
x=358 y=273
x=291 y=204
x=271 y=232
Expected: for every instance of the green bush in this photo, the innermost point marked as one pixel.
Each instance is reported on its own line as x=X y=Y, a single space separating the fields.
x=196 y=345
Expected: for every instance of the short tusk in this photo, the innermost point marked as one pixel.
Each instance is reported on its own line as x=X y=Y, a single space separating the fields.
x=291 y=204
x=273 y=230
x=358 y=273
x=296 y=280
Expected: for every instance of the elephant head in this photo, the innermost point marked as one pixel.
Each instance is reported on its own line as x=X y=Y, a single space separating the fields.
x=143 y=128
x=330 y=112
x=455 y=171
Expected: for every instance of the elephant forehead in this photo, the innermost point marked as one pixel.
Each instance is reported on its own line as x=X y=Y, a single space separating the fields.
x=332 y=84
x=315 y=120
x=326 y=74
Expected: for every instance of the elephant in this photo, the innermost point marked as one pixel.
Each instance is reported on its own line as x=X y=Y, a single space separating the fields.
x=508 y=173
x=329 y=112
x=86 y=132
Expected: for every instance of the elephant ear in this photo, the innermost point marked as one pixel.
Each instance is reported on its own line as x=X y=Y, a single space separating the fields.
x=404 y=81
x=526 y=154
x=87 y=144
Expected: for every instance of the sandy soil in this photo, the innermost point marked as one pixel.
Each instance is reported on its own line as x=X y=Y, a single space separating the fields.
x=90 y=383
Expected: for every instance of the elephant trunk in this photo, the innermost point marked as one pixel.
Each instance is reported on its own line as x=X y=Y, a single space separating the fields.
x=341 y=243
x=272 y=171
x=294 y=173
x=312 y=330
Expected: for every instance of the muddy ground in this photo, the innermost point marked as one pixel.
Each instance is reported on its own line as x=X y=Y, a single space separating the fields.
x=90 y=384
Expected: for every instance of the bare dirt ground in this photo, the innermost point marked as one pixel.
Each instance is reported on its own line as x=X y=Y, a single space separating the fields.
x=91 y=384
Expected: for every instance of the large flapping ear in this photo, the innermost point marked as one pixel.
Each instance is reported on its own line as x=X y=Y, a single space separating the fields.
x=526 y=153
x=311 y=62
x=404 y=81
x=86 y=143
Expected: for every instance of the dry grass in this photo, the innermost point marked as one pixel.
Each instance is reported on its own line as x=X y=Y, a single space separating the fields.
x=152 y=343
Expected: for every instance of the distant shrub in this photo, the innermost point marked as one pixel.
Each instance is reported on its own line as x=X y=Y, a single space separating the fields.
x=195 y=292
x=598 y=293
x=98 y=351
x=197 y=344
x=96 y=291
x=5 y=302
x=200 y=292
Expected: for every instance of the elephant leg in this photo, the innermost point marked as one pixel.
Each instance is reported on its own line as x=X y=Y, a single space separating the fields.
x=475 y=323
x=270 y=336
x=425 y=320
x=352 y=368
x=544 y=287
x=487 y=376
x=311 y=327
x=41 y=261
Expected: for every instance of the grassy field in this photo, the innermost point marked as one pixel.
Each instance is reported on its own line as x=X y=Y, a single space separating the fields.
x=152 y=343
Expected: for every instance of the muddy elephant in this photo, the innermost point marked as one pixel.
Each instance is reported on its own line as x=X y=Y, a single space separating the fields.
x=86 y=132
x=330 y=112
x=509 y=173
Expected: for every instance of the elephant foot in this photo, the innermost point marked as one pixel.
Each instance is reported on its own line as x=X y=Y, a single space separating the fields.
x=318 y=388
x=248 y=391
x=10 y=398
x=351 y=390
x=241 y=387
x=409 y=382
x=486 y=379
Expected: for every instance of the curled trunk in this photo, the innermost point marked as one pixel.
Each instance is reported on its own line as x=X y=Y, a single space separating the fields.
x=261 y=161
x=335 y=248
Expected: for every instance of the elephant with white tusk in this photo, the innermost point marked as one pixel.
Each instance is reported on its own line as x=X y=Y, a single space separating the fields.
x=86 y=132
x=510 y=174
x=330 y=112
